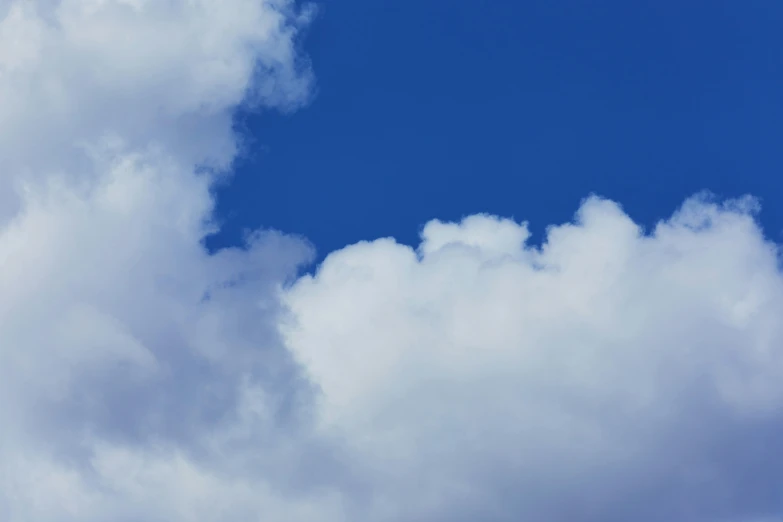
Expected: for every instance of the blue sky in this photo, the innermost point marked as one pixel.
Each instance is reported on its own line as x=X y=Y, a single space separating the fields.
x=443 y=109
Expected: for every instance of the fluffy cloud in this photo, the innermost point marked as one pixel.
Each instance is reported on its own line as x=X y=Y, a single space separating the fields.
x=609 y=375
x=78 y=76
x=140 y=377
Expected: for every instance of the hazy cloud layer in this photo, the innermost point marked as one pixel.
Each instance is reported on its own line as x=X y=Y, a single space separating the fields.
x=611 y=375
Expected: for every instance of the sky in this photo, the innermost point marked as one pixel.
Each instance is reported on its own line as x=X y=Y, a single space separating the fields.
x=444 y=109
x=263 y=260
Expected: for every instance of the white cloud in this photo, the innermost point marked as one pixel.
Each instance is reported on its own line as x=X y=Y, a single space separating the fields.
x=78 y=74
x=610 y=376
x=140 y=378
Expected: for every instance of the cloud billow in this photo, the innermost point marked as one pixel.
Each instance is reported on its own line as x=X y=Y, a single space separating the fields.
x=610 y=374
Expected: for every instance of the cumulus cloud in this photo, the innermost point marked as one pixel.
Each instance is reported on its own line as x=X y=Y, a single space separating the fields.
x=140 y=377
x=611 y=374
x=78 y=76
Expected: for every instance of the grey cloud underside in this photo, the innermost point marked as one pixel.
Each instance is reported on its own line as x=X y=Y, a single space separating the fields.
x=610 y=375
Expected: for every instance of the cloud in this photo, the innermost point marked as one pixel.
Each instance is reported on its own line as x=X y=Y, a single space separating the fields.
x=610 y=375
x=80 y=76
x=140 y=377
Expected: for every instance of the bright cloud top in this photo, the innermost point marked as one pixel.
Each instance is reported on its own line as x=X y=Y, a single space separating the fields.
x=610 y=375
x=78 y=76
